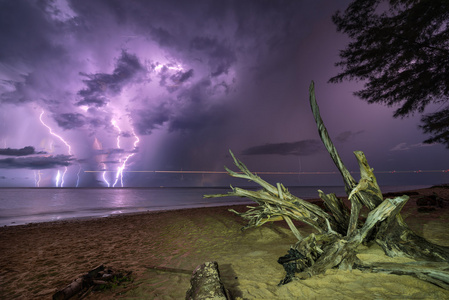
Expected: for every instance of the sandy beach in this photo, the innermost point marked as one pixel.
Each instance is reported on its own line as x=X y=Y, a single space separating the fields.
x=163 y=248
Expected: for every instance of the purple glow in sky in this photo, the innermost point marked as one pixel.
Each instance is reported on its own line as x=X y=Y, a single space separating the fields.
x=105 y=92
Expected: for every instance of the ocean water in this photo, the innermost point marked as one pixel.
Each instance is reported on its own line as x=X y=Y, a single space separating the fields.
x=31 y=205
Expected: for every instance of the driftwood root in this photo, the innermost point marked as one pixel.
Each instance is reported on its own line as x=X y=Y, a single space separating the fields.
x=340 y=229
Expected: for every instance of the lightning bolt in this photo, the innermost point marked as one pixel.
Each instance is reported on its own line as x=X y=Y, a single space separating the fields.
x=78 y=176
x=136 y=142
x=114 y=123
x=98 y=146
x=121 y=168
x=58 y=177
x=37 y=178
x=105 y=180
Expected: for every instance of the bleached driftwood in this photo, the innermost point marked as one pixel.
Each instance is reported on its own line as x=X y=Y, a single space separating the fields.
x=341 y=230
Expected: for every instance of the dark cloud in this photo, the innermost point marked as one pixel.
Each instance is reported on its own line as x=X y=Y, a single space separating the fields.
x=176 y=79
x=26 y=28
x=203 y=43
x=302 y=148
x=19 y=93
x=162 y=36
x=36 y=162
x=180 y=76
x=346 y=136
x=223 y=87
x=110 y=151
x=200 y=92
x=197 y=120
x=93 y=99
x=28 y=150
x=101 y=85
x=99 y=121
x=406 y=147
x=30 y=58
x=148 y=119
x=70 y=120
x=220 y=55
x=189 y=111
x=198 y=113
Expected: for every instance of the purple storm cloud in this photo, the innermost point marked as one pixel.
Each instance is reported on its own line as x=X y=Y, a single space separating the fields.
x=101 y=93
x=28 y=150
x=36 y=163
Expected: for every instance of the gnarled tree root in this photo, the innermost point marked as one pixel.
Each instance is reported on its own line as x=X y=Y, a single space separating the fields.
x=341 y=230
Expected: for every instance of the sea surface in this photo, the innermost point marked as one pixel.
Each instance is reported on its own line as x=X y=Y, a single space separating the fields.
x=20 y=206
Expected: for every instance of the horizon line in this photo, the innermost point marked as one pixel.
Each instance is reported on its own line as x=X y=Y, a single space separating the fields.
x=267 y=172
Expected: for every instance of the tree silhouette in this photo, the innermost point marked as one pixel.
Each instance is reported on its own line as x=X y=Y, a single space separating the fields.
x=399 y=49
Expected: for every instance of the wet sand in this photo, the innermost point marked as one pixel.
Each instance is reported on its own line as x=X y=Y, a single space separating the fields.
x=163 y=248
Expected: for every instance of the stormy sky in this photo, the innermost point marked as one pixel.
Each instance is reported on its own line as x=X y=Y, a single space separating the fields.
x=127 y=93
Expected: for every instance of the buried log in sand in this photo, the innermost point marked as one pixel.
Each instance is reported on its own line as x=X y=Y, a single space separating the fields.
x=340 y=229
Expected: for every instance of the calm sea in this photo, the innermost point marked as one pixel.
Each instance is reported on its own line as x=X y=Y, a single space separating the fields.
x=31 y=205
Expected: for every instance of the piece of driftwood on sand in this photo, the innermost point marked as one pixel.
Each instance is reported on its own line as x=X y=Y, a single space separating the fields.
x=340 y=229
x=100 y=277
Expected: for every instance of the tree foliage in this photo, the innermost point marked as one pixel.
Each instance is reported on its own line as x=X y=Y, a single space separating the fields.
x=400 y=50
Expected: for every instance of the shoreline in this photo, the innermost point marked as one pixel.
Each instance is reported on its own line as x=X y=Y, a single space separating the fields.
x=55 y=217
x=87 y=218
x=162 y=248
x=119 y=215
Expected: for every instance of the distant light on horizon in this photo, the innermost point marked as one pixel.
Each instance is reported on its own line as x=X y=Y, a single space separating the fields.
x=277 y=173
